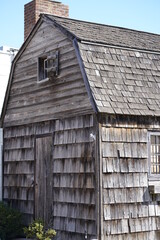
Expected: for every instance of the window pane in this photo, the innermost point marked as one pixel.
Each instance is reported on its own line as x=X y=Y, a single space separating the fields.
x=153 y=139
x=155 y=154
x=45 y=68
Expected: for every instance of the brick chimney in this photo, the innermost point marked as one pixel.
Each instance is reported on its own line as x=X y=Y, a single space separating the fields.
x=33 y=9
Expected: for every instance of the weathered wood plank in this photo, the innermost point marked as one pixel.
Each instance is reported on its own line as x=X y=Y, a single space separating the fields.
x=74 y=151
x=125 y=180
x=48 y=99
x=126 y=211
x=15 y=193
x=66 y=95
x=17 y=143
x=124 y=195
x=74 y=211
x=18 y=180
x=43 y=178
x=74 y=181
x=124 y=150
x=64 y=84
x=52 y=112
x=19 y=167
x=78 y=165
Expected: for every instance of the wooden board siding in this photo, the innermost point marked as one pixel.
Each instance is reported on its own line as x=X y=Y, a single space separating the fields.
x=73 y=168
x=129 y=210
x=66 y=95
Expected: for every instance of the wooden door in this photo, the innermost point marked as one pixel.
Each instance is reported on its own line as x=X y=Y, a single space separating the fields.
x=43 y=178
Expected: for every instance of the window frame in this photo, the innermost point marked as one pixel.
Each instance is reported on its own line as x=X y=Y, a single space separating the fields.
x=41 y=69
x=152 y=176
x=49 y=60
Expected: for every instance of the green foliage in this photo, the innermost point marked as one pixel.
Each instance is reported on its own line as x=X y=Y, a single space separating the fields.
x=36 y=230
x=10 y=222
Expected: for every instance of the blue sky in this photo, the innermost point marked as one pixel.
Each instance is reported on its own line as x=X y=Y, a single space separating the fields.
x=136 y=14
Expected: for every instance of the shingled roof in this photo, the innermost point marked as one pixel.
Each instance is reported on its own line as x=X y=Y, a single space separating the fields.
x=124 y=71
x=105 y=34
x=122 y=66
x=123 y=81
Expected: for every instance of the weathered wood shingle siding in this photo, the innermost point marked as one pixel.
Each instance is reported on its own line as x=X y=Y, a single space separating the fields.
x=36 y=109
x=19 y=169
x=129 y=210
x=74 y=179
x=99 y=174
x=73 y=168
x=32 y=102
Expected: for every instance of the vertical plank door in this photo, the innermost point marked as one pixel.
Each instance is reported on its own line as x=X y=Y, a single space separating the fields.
x=43 y=179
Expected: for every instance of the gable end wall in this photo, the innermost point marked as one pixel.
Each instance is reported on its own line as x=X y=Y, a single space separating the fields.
x=65 y=95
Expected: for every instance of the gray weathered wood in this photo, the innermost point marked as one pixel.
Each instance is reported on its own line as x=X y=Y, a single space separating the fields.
x=43 y=178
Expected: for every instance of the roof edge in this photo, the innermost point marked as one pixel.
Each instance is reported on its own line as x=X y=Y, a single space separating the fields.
x=84 y=75
x=102 y=44
x=107 y=25
x=69 y=34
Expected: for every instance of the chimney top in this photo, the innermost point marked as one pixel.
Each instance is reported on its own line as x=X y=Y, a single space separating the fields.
x=33 y=9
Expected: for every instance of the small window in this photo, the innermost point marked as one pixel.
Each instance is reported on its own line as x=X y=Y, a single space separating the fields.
x=42 y=64
x=154 y=153
x=48 y=67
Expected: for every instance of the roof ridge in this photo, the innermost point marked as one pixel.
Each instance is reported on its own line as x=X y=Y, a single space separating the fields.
x=106 y=34
x=103 y=24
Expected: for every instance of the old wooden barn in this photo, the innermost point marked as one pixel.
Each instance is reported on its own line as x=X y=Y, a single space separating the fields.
x=81 y=126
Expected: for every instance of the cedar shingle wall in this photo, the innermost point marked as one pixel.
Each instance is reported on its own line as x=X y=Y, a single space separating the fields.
x=74 y=198
x=129 y=211
x=19 y=169
x=74 y=183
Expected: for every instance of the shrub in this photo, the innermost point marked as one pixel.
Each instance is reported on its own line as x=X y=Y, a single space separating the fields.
x=10 y=222
x=36 y=230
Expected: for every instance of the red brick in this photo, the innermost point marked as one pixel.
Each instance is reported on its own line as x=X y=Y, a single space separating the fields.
x=33 y=9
